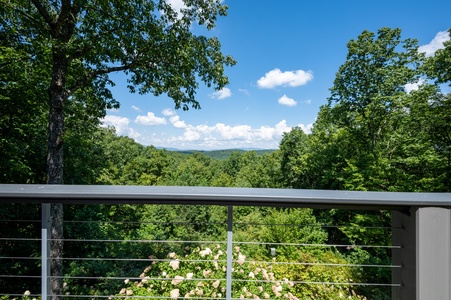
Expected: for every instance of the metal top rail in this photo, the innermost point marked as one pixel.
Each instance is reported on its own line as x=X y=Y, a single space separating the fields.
x=97 y=194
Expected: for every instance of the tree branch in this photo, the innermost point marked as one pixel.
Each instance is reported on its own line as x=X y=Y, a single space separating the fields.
x=21 y=12
x=80 y=83
x=43 y=12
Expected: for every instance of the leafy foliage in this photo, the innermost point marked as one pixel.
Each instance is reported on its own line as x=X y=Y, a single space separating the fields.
x=200 y=272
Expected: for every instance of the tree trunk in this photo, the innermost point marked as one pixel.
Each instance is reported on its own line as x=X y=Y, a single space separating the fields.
x=55 y=169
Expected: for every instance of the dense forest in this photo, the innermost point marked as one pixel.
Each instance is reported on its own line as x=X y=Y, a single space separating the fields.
x=372 y=135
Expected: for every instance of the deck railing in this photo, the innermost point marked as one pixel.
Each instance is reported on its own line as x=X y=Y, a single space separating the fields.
x=420 y=248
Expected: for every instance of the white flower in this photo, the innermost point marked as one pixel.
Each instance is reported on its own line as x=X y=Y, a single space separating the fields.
x=27 y=293
x=241 y=258
x=129 y=292
x=205 y=252
x=175 y=293
x=172 y=255
x=164 y=274
x=144 y=280
x=126 y=281
x=177 y=279
x=251 y=275
x=216 y=284
x=206 y=273
x=189 y=276
x=175 y=264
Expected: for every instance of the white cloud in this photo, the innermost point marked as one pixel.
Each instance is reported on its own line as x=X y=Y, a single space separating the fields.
x=136 y=108
x=413 y=86
x=121 y=126
x=222 y=136
x=276 y=78
x=308 y=101
x=435 y=44
x=150 y=120
x=221 y=94
x=190 y=135
x=284 y=100
x=133 y=134
x=120 y=123
x=177 y=6
x=203 y=136
x=306 y=128
x=175 y=121
x=168 y=112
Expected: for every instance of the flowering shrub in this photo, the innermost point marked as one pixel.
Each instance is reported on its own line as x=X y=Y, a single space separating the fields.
x=202 y=274
x=26 y=296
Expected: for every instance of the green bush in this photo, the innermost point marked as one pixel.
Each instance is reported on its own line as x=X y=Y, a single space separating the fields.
x=201 y=273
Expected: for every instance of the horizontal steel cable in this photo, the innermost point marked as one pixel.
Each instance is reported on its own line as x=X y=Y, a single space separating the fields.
x=223 y=279
x=223 y=261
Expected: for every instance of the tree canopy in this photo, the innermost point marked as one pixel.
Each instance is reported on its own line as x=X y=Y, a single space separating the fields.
x=76 y=44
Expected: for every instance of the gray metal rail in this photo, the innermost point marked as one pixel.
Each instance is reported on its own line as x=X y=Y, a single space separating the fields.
x=84 y=194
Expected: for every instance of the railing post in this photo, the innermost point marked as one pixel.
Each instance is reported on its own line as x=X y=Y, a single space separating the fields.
x=425 y=254
x=433 y=253
x=404 y=235
x=229 y=252
x=45 y=251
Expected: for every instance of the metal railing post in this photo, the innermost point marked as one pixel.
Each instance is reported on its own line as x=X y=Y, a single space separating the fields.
x=404 y=235
x=45 y=251
x=433 y=245
x=229 y=252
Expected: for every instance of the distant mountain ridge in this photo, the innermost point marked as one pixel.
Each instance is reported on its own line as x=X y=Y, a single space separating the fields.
x=222 y=153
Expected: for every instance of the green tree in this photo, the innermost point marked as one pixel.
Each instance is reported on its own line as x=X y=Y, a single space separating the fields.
x=439 y=65
x=294 y=147
x=22 y=117
x=369 y=86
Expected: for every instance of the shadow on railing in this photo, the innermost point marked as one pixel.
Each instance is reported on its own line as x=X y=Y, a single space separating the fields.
x=280 y=249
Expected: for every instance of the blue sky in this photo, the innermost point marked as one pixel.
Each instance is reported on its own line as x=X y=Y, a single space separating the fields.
x=287 y=53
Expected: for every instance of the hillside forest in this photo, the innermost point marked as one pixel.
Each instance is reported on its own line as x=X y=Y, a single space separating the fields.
x=372 y=135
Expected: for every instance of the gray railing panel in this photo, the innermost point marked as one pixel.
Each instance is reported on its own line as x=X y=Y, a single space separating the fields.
x=424 y=219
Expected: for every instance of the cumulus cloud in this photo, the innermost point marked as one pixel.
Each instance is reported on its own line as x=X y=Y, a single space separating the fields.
x=121 y=126
x=176 y=122
x=120 y=123
x=203 y=136
x=221 y=94
x=136 y=108
x=306 y=128
x=284 y=100
x=220 y=136
x=276 y=78
x=413 y=86
x=150 y=119
x=435 y=44
x=177 y=6
x=168 y=112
